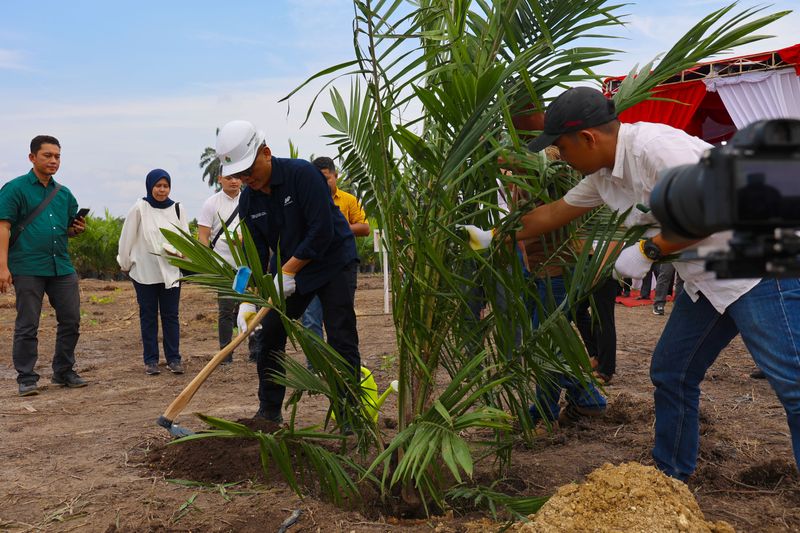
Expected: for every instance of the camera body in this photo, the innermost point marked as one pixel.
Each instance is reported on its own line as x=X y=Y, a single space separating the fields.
x=750 y=185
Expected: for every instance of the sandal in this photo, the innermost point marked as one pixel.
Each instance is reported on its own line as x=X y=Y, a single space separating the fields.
x=603 y=379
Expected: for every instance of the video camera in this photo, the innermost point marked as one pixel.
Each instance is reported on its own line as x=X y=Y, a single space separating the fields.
x=750 y=185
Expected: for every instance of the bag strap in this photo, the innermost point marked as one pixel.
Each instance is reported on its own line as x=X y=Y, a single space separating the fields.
x=35 y=213
x=227 y=223
x=178 y=210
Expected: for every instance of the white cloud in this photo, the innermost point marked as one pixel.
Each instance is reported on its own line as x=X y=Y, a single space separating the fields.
x=12 y=60
x=108 y=147
x=645 y=37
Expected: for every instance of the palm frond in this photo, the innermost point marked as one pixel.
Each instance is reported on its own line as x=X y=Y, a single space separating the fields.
x=709 y=37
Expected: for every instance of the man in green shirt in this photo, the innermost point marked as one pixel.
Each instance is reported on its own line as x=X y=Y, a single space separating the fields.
x=34 y=258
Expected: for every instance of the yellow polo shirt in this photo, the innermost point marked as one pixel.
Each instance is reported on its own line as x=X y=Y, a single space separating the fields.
x=349 y=206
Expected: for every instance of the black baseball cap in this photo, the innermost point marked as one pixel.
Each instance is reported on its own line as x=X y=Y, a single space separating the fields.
x=574 y=110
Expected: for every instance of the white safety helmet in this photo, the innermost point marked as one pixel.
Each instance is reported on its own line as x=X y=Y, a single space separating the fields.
x=237 y=146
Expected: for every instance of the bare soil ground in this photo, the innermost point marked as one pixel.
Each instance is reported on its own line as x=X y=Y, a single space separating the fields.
x=93 y=459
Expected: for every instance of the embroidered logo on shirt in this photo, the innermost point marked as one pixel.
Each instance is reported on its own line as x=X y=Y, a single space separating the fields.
x=287 y=201
x=258 y=215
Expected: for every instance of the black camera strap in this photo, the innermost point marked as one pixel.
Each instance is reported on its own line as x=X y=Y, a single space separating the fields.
x=35 y=213
x=222 y=229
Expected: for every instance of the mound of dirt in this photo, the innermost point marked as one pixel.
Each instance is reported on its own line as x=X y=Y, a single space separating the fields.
x=769 y=474
x=625 y=409
x=214 y=460
x=630 y=497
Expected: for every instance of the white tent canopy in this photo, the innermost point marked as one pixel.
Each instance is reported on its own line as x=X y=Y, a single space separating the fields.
x=754 y=96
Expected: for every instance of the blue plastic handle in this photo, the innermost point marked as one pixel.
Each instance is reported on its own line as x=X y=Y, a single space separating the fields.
x=241 y=279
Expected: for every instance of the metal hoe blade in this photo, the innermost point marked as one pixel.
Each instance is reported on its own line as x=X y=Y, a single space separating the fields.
x=174 y=429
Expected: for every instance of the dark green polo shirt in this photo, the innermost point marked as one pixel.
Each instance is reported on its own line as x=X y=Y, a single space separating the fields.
x=41 y=250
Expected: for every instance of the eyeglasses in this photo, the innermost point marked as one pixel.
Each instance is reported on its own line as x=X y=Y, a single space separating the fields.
x=243 y=173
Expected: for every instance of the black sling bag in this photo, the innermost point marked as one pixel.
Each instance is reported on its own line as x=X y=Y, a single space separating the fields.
x=222 y=229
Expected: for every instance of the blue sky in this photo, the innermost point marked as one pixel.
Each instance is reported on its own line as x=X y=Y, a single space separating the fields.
x=128 y=87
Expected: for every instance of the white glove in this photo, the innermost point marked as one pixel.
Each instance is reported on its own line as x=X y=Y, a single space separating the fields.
x=479 y=239
x=246 y=314
x=632 y=263
x=289 y=285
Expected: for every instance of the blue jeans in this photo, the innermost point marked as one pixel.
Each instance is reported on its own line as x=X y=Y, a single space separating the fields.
x=153 y=300
x=548 y=394
x=768 y=318
x=312 y=318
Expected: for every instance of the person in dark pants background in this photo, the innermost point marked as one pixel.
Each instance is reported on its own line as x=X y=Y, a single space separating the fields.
x=599 y=331
x=33 y=249
x=664 y=286
x=288 y=209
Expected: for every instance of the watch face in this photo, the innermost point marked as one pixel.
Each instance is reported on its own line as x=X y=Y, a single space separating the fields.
x=652 y=250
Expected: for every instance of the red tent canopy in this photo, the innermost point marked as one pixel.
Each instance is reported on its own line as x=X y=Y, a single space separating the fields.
x=701 y=113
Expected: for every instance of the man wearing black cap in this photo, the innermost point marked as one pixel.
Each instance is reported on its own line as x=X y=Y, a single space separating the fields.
x=621 y=164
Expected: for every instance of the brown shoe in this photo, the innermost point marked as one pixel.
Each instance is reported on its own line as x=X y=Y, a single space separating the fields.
x=572 y=413
x=543 y=429
x=602 y=379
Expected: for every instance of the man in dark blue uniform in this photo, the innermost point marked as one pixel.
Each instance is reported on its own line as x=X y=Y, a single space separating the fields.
x=288 y=209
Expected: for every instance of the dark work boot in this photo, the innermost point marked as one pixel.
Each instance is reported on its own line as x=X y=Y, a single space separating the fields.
x=70 y=379
x=264 y=414
x=28 y=389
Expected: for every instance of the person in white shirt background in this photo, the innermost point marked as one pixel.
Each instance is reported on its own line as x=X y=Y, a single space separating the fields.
x=223 y=207
x=142 y=255
x=621 y=164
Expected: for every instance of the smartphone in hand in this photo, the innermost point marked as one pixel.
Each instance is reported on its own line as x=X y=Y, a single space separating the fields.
x=82 y=212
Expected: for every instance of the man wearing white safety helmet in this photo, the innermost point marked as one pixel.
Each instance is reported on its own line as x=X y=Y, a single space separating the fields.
x=287 y=208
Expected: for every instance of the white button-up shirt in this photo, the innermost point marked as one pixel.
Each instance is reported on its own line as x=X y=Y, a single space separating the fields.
x=643 y=150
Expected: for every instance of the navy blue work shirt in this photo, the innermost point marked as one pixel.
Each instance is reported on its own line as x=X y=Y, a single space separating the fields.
x=299 y=219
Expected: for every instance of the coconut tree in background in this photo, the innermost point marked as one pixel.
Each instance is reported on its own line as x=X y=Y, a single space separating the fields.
x=434 y=89
x=211 y=166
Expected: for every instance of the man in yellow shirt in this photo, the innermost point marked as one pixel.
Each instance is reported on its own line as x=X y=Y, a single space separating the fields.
x=355 y=216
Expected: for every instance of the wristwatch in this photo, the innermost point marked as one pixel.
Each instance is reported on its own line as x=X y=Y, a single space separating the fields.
x=651 y=250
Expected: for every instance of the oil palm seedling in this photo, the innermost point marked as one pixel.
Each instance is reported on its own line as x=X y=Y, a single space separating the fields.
x=423 y=131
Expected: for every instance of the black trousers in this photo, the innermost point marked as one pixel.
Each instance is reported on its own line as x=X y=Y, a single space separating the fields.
x=647 y=282
x=227 y=310
x=600 y=335
x=154 y=300
x=339 y=316
x=64 y=295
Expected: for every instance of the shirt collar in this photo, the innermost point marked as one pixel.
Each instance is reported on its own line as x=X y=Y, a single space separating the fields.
x=33 y=179
x=278 y=176
x=619 y=156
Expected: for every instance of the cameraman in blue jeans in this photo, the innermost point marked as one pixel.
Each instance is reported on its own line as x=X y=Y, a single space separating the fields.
x=621 y=164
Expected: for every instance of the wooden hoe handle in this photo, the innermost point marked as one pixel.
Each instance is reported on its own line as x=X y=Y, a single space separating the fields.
x=182 y=400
